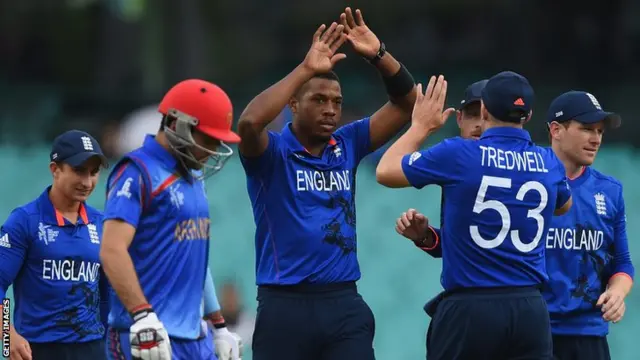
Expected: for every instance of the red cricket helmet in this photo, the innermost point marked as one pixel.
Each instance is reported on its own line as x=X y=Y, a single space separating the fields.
x=206 y=103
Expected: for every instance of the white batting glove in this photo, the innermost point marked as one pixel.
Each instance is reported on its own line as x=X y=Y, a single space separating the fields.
x=228 y=345
x=148 y=337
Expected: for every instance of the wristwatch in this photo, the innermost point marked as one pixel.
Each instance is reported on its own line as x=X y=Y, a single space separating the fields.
x=383 y=50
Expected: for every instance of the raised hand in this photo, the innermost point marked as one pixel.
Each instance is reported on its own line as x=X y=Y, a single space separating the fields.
x=322 y=55
x=427 y=111
x=363 y=40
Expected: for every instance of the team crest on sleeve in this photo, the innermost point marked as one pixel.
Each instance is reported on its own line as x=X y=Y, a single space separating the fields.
x=601 y=204
x=415 y=156
x=125 y=190
x=46 y=234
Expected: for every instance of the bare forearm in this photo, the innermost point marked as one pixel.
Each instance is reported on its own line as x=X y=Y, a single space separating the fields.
x=268 y=104
x=118 y=267
x=409 y=142
x=388 y=65
x=621 y=282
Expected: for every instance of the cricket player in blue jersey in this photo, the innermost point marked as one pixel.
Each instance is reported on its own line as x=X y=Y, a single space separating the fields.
x=587 y=255
x=587 y=251
x=500 y=193
x=155 y=246
x=49 y=251
x=301 y=183
x=415 y=226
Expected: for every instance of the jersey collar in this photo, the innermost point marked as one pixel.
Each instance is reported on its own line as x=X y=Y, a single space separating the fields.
x=581 y=178
x=153 y=148
x=505 y=131
x=52 y=216
x=294 y=144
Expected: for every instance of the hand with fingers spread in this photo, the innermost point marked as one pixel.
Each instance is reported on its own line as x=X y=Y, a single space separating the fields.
x=412 y=225
x=428 y=109
x=612 y=305
x=363 y=40
x=322 y=55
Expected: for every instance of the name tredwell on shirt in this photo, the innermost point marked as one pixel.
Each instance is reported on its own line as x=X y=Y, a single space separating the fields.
x=526 y=161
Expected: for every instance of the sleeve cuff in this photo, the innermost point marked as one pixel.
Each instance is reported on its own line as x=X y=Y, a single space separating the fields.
x=435 y=243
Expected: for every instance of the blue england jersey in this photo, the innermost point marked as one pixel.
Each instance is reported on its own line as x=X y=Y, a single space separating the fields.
x=584 y=248
x=500 y=193
x=170 y=248
x=54 y=266
x=304 y=207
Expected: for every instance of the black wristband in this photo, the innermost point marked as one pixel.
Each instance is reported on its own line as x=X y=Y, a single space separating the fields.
x=399 y=84
x=220 y=325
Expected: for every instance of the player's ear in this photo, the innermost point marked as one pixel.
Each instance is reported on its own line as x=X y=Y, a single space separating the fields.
x=459 y=118
x=554 y=130
x=54 y=167
x=484 y=113
x=293 y=105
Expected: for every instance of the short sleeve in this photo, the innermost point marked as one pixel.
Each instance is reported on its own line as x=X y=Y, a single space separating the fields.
x=563 y=188
x=358 y=134
x=14 y=243
x=430 y=166
x=254 y=165
x=125 y=194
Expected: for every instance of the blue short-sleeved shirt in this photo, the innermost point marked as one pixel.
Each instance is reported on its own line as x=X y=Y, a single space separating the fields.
x=499 y=196
x=304 y=207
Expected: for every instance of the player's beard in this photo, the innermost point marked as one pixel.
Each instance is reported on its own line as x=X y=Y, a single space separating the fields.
x=189 y=161
x=321 y=138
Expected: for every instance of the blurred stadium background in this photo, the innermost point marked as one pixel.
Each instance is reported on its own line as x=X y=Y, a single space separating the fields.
x=101 y=65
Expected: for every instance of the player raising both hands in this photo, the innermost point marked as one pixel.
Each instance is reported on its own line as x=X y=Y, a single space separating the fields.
x=301 y=182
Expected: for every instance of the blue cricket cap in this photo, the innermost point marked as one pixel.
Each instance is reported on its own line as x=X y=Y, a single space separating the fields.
x=74 y=147
x=473 y=93
x=582 y=107
x=508 y=96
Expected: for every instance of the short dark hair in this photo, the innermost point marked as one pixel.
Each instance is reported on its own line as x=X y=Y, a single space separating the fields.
x=472 y=109
x=329 y=75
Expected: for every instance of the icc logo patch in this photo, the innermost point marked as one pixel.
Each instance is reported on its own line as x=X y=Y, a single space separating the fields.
x=229 y=118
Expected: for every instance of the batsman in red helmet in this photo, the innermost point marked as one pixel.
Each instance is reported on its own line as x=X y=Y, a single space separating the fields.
x=155 y=242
